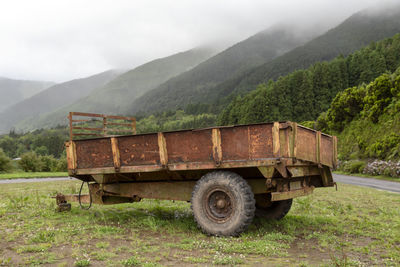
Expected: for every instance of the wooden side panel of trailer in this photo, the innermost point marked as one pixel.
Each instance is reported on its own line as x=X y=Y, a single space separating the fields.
x=220 y=147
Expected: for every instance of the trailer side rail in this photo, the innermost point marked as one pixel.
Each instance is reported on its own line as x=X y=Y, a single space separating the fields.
x=99 y=125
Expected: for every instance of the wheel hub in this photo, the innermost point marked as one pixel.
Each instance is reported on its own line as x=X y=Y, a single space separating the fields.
x=218 y=204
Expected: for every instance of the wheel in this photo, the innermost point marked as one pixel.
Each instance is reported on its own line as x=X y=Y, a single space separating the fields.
x=269 y=210
x=223 y=204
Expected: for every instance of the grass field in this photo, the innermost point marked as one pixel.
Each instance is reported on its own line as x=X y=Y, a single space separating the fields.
x=351 y=227
x=16 y=175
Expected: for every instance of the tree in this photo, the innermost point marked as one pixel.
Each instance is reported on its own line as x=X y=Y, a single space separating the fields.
x=5 y=162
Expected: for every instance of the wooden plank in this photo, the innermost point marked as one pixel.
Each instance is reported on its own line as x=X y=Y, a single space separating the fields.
x=275 y=139
x=334 y=151
x=73 y=154
x=104 y=125
x=217 y=148
x=118 y=130
x=179 y=167
x=86 y=134
x=162 y=146
x=294 y=141
x=81 y=120
x=115 y=153
x=277 y=196
x=120 y=124
x=86 y=128
x=120 y=117
x=134 y=126
x=83 y=114
x=318 y=147
x=70 y=126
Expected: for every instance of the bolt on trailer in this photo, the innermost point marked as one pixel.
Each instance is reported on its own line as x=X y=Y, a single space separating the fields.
x=229 y=174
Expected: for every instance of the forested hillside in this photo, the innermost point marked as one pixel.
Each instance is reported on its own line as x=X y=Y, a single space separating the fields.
x=354 y=33
x=254 y=51
x=366 y=119
x=13 y=91
x=26 y=111
x=304 y=94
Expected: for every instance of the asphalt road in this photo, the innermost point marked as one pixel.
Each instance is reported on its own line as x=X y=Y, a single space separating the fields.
x=368 y=182
x=345 y=179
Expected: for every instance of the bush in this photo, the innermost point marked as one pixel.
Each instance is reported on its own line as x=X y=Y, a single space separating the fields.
x=354 y=166
x=380 y=167
x=384 y=147
x=62 y=165
x=30 y=162
x=49 y=163
x=5 y=162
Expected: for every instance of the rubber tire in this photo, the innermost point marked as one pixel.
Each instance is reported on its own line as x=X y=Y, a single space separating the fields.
x=243 y=200
x=276 y=211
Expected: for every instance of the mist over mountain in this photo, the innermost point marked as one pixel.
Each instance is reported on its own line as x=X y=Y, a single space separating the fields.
x=52 y=98
x=116 y=96
x=355 y=32
x=13 y=91
x=237 y=59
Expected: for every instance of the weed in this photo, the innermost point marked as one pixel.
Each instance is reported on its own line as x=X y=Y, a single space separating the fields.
x=82 y=263
x=132 y=261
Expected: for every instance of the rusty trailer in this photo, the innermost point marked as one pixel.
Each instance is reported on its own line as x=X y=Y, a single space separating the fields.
x=229 y=174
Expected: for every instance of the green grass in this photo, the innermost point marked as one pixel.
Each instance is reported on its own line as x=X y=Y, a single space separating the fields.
x=379 y=177
x=16 y=175
x=354 y=226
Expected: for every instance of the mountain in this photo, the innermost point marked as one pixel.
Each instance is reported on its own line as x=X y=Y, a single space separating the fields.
x=116 y=96
x=357 y=31
x=304 y=94
x=192 y=86
x=50 y=99
x=13 y=91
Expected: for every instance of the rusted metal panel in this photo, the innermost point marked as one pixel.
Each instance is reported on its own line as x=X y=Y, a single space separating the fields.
x=224 y=148
x=247 y=142
x=327 y=151
x=139 y=150
x=189 y=146
x=260 y=141
x=267 y=172
x=94 y=153
x=167 y=190
x=277 y=196
x=235 y=143
x=180 y=167
x=306 y=144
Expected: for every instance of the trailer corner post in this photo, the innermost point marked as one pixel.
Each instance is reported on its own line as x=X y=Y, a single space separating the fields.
x=217 y=148
x=115 y=153
x=162 y=146
x=275 y=139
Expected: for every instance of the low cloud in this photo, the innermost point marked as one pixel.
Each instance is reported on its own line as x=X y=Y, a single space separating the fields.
x=62 y=40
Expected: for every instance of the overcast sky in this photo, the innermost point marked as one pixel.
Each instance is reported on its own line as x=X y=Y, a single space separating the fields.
x=59 y=40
